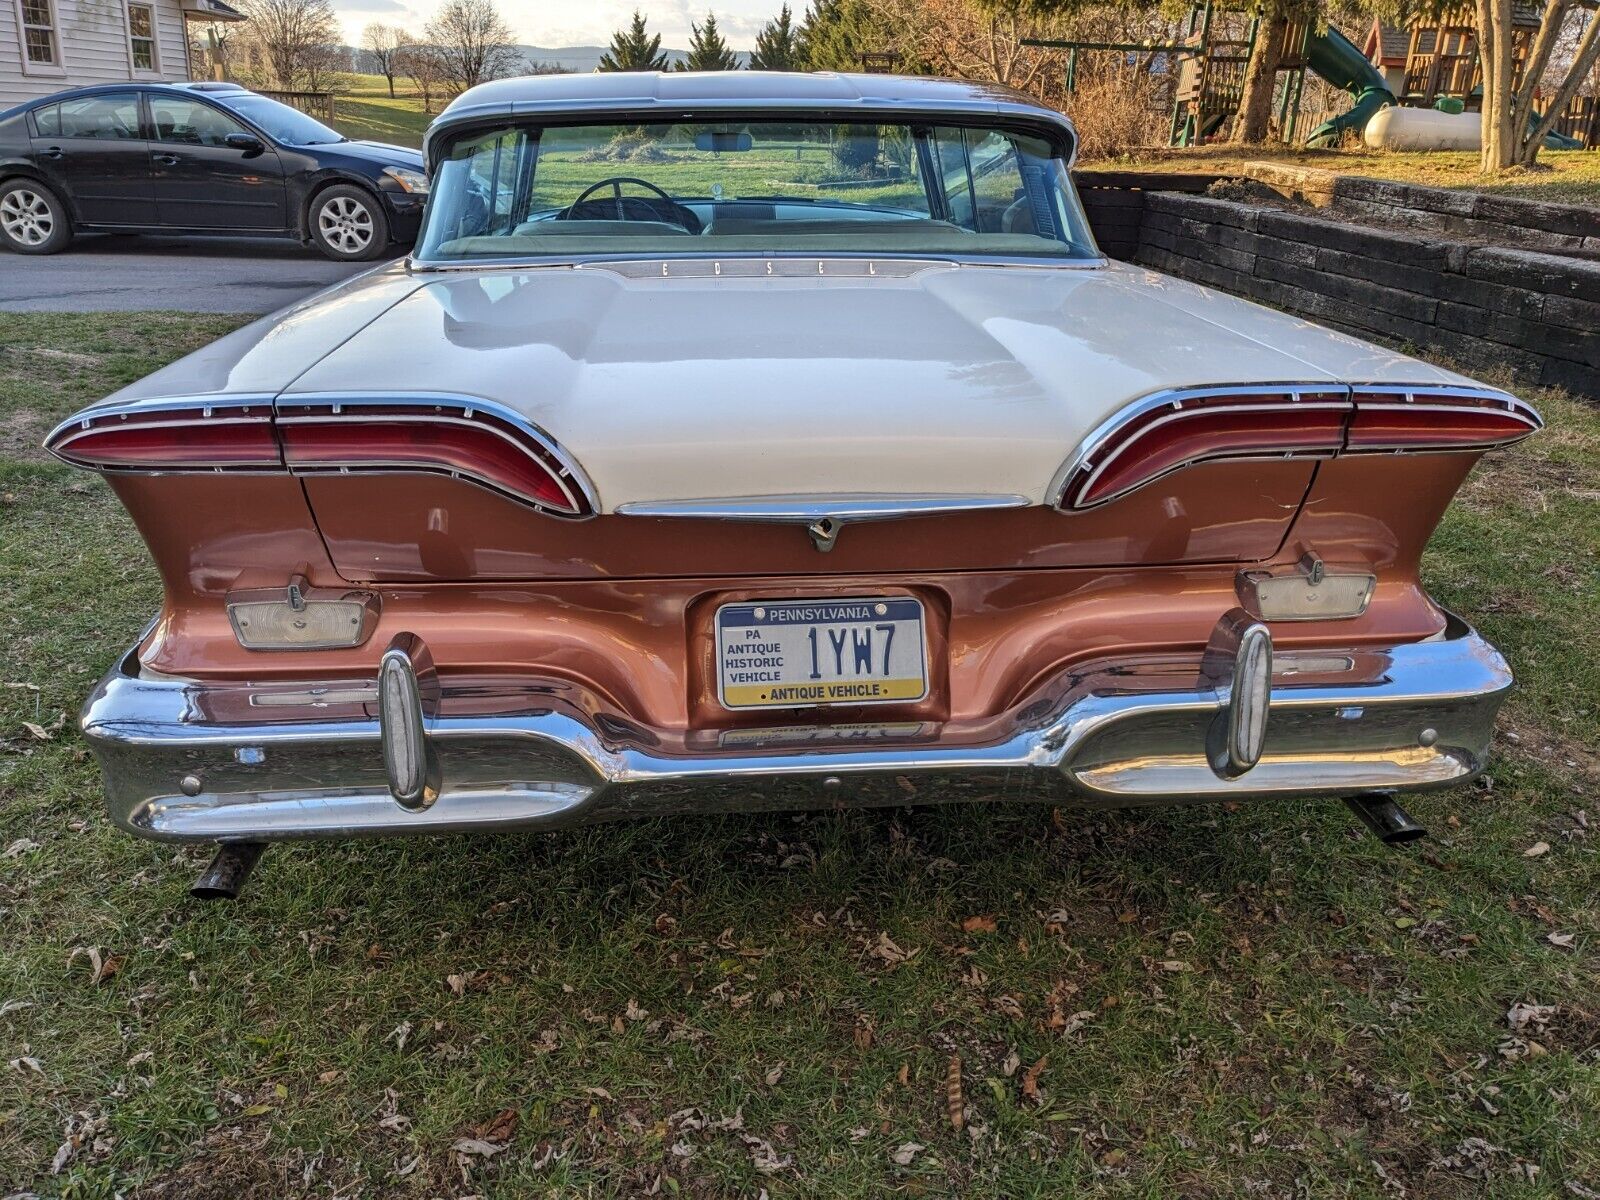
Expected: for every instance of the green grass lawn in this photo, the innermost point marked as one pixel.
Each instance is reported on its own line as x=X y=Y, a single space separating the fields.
x=1206 y=1002
x=1562 y=176
x=365 y=111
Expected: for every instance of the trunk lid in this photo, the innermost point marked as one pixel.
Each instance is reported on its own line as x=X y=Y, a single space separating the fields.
x=917 y=379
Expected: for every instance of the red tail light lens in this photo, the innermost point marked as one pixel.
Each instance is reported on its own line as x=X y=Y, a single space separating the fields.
x=191 y=436
x=1171 y=430
x=1426 y=420
x=460 y=439
x=1178 y=429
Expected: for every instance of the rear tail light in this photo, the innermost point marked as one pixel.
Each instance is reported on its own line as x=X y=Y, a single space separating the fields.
x=465 y=439
x=171 y=436
x=1403 y=420
x=1171 y=430
x=468 y=439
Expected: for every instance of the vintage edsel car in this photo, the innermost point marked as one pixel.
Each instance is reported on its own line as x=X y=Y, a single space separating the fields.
x=759 y=440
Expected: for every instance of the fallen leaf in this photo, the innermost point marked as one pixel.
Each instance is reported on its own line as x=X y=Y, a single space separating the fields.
x=44 y=735
x=954 y=1102
x=457 y=984
x=1175 y=966
x=19 y=847
x=979 y=925
x=1113 y=1158
x=469 y=1146
x=774 y=1075
x=906 y=1152
x=1536 y=850
x=1030 y=1079
x=1564 y=940
x=255 y=1110
x=1404 y=922
x=501 y=1127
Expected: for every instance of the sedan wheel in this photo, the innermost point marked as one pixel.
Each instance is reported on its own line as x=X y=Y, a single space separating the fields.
x=348 y=224
x=32 y=220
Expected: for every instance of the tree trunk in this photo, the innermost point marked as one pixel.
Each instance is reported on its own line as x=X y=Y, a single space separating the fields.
x=390 y=78
x=1500 y=143
x=1260 y=75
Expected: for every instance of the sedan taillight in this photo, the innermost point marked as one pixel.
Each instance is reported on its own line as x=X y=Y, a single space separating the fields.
x=1171 y=430
x=471 y=440
x=177 y=436
x=1402 y=421
x=462 y=439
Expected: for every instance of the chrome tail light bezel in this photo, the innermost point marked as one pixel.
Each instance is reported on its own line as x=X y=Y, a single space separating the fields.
x=275 y=426
x=1110 y=444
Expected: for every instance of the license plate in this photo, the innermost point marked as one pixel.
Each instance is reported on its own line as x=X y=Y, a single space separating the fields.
x=805 y=653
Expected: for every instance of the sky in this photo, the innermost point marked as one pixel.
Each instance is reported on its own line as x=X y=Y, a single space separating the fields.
x=581 y=22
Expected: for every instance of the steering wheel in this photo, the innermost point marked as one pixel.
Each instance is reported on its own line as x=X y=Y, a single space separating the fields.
x=664 y=208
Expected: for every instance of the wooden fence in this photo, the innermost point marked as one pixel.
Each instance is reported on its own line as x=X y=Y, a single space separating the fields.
x=316 y=104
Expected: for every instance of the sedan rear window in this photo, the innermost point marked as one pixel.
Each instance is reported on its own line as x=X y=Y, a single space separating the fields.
x=752 y=187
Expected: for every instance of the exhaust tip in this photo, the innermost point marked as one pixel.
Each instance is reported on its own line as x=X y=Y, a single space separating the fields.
x=1385 y=819
x=230 y=869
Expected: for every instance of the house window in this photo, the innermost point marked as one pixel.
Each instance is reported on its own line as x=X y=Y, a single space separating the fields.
x=40 y=47
x=142 y=37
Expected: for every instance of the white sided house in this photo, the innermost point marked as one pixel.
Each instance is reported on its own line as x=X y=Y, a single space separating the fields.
x=49 y=45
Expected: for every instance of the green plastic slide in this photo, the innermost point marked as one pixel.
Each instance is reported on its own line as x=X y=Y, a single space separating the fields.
x=1335 y=58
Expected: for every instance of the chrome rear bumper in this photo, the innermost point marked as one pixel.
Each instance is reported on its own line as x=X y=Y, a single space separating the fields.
x=187 y=760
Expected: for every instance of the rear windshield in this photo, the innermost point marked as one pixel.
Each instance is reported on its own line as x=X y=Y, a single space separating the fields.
x=522 y=191
x=284 y=125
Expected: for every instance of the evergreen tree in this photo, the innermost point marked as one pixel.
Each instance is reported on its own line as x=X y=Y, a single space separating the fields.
x=634 y=49
x=707 y=50
x=778 y=45
x=834 y=34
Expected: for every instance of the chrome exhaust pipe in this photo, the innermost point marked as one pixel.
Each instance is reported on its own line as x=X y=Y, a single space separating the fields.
x=1389 y=823
x=225 y=878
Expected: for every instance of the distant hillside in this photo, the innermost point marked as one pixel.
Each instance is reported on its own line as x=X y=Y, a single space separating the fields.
x=578 y=59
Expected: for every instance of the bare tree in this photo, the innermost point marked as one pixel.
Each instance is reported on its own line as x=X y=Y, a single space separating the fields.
x=287 y=34
x=473 y=42
x=424 y=66
x=384 y=44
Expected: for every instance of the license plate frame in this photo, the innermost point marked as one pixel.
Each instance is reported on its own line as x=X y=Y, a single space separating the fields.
x=784 y=631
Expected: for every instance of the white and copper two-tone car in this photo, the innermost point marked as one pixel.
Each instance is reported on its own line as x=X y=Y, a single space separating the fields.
x=757 y=440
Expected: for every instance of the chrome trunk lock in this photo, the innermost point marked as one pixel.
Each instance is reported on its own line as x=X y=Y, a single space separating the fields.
x=825 y=533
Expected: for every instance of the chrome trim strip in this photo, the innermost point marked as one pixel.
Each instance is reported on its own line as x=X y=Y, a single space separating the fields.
x=1412 y=716
x=807 y=509
x=578 y=262
x=569 y=476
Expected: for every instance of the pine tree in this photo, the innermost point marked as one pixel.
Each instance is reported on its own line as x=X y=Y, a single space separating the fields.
x=834 y=34
x=707 y=50
x=634 y=49
x=778 y=45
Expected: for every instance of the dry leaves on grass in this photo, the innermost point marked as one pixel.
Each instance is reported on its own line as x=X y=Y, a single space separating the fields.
x=979 y=924
x=102 y=967
x=1537 y=850
x=1030 y=1080
x=20 y=847
x=906 y=1152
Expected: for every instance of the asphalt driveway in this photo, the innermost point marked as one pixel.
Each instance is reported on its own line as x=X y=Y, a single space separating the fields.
x=124 y=274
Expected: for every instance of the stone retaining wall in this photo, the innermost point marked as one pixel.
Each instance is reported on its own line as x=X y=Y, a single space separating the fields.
x=1535 y=313
x=1496 y=220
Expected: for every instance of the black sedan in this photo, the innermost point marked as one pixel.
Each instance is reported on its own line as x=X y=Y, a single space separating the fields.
x=198 y=158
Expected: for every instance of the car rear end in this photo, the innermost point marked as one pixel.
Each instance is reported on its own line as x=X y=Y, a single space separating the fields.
x=540 y=543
